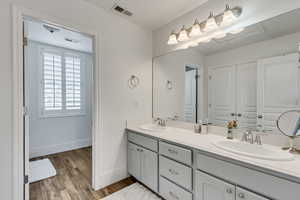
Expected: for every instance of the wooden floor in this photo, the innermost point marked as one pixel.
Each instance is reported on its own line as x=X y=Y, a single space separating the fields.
x=73 y=179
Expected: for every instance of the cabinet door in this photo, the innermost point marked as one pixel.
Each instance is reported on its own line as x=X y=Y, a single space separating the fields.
x=246 y=87
x=133 y=160
x=149 y=169
x=221 y=94
x=278 y=87
x=210 y=188
x=242 y=194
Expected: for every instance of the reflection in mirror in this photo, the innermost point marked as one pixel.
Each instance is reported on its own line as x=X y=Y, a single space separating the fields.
x=252 y=77
x=178 y=86
x=288 y=123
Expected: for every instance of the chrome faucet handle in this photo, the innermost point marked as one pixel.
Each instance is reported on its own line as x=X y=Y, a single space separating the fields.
x=248 y=137
x=258 y=140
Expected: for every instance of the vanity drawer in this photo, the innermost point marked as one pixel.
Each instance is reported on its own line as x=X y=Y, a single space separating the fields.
x=170 y=191
x=176 y=172
x=146 y=142
x=177 y=153
x=260 y=182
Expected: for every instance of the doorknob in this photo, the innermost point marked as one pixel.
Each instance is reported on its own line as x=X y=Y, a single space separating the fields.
x=239 y=115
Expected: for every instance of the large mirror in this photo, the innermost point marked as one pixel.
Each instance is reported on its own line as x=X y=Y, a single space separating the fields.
x=252 y=76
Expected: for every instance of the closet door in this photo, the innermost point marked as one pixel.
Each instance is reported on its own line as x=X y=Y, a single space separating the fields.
x=221 y=94
x=246 y=87
x=190 y=96
x=278 y=88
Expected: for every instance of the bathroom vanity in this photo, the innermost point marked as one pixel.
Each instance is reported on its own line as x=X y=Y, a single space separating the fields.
x=178 y=164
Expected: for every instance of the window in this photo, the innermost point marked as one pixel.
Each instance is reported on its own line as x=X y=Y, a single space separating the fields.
x=61 y=83
x=52 y=82
x=73 y=96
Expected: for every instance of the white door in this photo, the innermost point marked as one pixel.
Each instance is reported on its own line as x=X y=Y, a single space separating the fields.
x=221 y=95
x=26 y=109
x=242 y=194
x=210 y=188
x=190 y=96
x=278 y=87
x=149 y=169
x=246 y=85
x=133 y=160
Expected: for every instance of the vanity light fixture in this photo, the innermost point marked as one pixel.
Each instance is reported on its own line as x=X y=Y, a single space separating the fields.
x=236 y=31
x=211 y=28
x=228 y=17
x=172 y=39
x=195 y=30
x=211 y=23
x=183 y=35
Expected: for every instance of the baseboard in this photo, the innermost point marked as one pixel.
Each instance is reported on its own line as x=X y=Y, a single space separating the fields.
x=111 y=177
x=57 y=148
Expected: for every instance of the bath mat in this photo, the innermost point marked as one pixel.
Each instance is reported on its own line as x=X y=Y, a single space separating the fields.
x=40 y=169
x=133 y=192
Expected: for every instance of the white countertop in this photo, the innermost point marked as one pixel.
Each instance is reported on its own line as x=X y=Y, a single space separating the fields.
x=286 y=169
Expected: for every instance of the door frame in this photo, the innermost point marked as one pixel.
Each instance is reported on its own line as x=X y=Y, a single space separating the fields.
x=18 y=161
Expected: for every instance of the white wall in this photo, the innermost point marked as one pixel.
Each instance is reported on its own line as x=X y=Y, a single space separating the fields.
x=48 y=135
x=253 y=11
x=168 y=103
x=125 y=49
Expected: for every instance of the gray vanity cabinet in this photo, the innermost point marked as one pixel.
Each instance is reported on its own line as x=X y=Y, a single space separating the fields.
x=143 y=163
x=133 y=157
x=242 y=194
x=210 y=188
x=149 y=169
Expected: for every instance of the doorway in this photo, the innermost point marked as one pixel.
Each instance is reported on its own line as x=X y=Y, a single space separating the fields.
x=58 y=67
x=191 y=101
x=20 y=141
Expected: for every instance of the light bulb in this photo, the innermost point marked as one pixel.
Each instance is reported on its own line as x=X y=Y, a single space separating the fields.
x=196 y=29
x=236 y=31
x=211 y=23
x=183 y=36
x=228 y=17
x=219 y=34
x=172 y=39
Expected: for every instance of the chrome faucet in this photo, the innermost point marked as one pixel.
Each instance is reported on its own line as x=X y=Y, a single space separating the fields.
x=159 y=121
x=248 y=136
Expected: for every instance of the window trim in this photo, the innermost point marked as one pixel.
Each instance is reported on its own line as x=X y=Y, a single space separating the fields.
x=83 y=89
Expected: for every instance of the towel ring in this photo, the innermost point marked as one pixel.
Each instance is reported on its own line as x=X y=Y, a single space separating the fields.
x=133 y=82
x=169 y=85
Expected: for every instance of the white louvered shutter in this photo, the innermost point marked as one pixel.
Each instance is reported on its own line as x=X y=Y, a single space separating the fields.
x=52 y=82
x=73 y=83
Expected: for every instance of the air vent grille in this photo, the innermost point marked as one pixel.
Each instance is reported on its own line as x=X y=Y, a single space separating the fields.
x=123 y=11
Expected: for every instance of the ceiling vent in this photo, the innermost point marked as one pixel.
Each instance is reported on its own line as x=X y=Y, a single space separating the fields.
x=121 y=10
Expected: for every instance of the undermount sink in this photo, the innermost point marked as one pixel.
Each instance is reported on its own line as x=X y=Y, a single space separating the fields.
x=264 y=152
x=152 y=127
